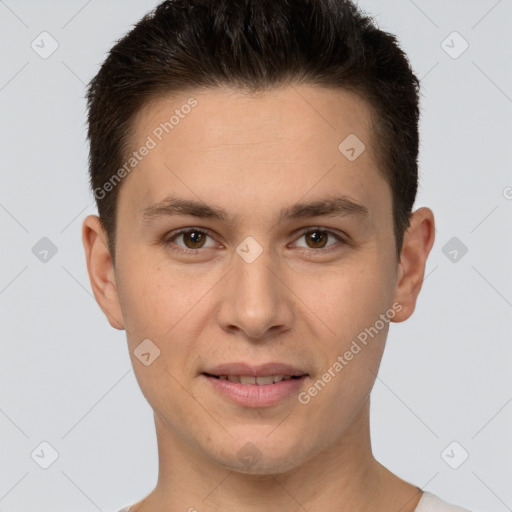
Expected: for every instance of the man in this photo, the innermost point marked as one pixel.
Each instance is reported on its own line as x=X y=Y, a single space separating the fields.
x=254 y=164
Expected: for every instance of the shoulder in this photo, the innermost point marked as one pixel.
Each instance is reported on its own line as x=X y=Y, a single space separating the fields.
x=431 y=503
x=428 y=503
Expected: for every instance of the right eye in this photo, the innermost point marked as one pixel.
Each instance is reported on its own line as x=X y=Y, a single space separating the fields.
x=193 y=240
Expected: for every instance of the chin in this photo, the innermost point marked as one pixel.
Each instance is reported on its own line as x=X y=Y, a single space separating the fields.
x=265 y=466
x=263 y=454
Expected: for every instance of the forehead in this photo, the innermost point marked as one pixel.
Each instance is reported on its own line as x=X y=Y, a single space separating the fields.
x=234 y=116
x=230 y=143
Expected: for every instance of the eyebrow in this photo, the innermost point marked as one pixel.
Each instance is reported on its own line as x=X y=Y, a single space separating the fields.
x=329 y=207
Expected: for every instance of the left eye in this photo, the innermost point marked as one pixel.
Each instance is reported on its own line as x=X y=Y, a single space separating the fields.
x=318 y=238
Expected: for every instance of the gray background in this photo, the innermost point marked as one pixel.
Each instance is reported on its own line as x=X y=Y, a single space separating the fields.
x=66 y=377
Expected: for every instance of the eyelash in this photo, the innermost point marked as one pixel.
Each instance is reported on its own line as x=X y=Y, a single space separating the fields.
x=169 y=240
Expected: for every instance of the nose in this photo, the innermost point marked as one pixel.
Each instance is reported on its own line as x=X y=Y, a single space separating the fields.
x=256 y=300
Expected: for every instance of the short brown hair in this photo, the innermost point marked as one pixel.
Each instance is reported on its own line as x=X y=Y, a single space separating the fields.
x=256 y=45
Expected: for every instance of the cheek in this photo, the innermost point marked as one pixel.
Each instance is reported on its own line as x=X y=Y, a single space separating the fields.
x=353 y=306
x=155 y=303
x=350 y=298
x=144 y=295
x=163 y=303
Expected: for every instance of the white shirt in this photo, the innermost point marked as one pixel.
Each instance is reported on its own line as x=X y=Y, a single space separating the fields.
x=431 y=503
x=428 y=503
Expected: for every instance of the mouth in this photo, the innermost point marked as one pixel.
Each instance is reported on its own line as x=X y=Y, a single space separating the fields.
x=255 y=386
x=257 y=381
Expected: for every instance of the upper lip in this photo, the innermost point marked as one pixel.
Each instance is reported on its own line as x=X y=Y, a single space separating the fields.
x=262 y=370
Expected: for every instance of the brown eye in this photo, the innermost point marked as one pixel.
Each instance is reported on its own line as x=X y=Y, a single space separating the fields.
x=318 y=239
x=194 y=239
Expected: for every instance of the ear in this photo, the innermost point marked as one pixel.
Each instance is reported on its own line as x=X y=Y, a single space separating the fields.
x=101 y=270
x=418 y=241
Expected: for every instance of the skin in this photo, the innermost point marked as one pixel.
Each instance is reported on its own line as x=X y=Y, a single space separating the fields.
x=253 y=154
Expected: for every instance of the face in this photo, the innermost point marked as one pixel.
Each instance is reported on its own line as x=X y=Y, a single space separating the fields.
x=259 y=260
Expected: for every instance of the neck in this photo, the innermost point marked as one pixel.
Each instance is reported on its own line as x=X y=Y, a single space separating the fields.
x=341 y=478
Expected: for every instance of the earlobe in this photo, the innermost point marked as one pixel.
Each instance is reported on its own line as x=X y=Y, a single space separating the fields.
x=101 y=270
x=418 y=241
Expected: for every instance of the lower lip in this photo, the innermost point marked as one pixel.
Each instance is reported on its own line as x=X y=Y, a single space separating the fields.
x=253 y=395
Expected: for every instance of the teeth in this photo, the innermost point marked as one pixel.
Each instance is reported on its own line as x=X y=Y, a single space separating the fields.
x=263 y=381
x=260 y=381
